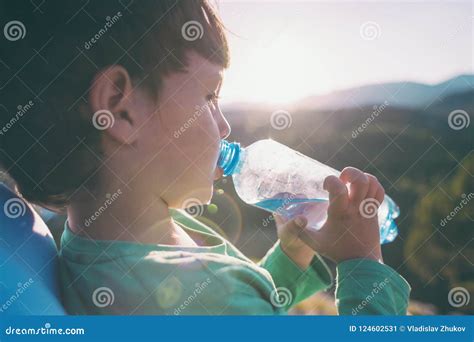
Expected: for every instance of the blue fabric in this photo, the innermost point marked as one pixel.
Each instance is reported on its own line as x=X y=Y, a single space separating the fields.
x=28 y=260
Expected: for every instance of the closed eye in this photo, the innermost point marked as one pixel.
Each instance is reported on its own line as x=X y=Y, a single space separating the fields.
x=212 y=97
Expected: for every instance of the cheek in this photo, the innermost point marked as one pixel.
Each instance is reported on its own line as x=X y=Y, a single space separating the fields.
x=192 y=154
x=188 y=138
x=187 y=120
x=183 y=176
x=198 y=136
x=201 y=148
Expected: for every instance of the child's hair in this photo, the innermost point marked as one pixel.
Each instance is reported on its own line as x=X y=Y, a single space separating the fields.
x=50 y=53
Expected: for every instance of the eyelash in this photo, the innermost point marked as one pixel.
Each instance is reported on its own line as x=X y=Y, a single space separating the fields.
x=212 y=97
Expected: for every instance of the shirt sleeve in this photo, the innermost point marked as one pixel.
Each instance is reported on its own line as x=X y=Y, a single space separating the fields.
x=292 y=283
x=366 y=287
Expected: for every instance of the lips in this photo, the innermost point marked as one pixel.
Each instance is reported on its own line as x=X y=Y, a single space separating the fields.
x=218 y=173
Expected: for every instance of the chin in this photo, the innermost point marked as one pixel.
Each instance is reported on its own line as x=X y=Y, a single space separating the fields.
x=200 y=196
x=208 y=197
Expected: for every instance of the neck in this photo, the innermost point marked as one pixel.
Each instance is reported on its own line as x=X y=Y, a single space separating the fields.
x=125 y=214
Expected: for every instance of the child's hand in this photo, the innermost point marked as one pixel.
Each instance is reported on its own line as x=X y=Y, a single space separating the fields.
x=288 y=233
x=350 y=231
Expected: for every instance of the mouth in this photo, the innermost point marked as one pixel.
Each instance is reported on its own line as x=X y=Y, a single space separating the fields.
x=218 y=173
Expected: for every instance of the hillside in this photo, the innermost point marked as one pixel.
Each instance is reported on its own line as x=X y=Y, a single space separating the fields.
x=411 y=151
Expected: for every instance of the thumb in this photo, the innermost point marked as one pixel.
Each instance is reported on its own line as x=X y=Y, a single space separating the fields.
x=289 y=232
x=300 y=222
x=312 y=238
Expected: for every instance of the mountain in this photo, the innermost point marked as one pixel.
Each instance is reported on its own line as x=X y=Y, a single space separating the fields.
x=397 y=94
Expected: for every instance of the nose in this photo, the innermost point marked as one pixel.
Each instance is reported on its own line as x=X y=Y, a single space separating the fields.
x=222 y=124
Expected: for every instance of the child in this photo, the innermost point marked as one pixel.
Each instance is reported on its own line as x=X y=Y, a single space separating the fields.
x=99 y=143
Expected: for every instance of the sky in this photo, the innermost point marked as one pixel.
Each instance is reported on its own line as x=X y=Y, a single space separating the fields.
x=283 y=51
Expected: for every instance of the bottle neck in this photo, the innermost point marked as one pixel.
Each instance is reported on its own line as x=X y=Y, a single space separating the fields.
x=230 y=156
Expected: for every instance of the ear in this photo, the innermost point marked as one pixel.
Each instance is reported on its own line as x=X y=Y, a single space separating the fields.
x=111 y=102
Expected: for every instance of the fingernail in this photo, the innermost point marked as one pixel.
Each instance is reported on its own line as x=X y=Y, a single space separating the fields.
x=301 y=221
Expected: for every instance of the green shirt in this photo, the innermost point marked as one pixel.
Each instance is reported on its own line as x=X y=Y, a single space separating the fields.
x=123 y=278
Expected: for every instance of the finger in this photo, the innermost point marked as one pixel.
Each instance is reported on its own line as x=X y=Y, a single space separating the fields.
x=380 y=195
x=279 y=219
x=359 y=183
x=338 y=194
x=296 y=225
x=312 y=239
x=300 y=222
x=374 y=186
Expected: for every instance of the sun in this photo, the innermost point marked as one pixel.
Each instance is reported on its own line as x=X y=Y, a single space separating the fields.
x=277 y=72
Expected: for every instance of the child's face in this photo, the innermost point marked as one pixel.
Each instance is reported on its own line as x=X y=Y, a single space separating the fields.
x=180 y=143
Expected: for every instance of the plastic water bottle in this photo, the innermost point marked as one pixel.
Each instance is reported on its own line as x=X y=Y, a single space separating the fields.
x=273 y=177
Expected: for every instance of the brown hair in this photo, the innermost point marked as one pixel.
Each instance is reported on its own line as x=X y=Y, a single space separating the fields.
x=48 y=59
